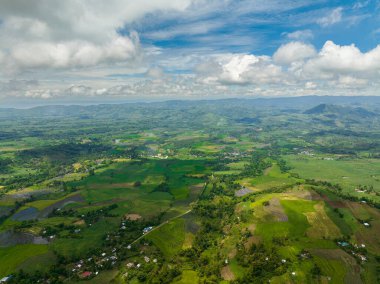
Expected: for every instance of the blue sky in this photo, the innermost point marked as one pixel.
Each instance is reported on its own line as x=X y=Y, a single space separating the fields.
x=159 y=49
x=234 y=29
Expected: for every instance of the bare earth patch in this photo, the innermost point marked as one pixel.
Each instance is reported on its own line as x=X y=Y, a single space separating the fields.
x=132 y=217
x=80 y=223
x=333 y=204
x=252 y=240
x=275 y=209
x=252 y=228
x=113 y=185
x=243 y=191
x=232 y=253
x=227 y=273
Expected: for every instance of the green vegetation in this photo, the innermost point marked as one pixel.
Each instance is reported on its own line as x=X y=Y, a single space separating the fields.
x=182 y=192
x=12 y=257
x=169 y=238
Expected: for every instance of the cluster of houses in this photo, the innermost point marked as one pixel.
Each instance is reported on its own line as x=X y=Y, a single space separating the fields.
x=357 y=254
x=306 y=153
x=83 y=267
x=160 y=156
x=147 y=229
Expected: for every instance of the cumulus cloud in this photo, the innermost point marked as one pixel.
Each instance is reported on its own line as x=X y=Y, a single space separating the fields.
x=293 y=52
x=73 y=53
x=70 y=33
x=240 y=69
x=298 y=65
x=336 y=59
x=334 y=16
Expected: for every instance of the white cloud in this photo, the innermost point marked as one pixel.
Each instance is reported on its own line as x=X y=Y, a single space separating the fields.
x=293 y=52
x=335 y=59
x=242 y=69
x=195 y=28
x=71 y=33
x=236 y=66
x=297 y=65
x=79 y=44
x=300 y=35
x=73 y=53
x=361 y=4
x=155 y=72
x=1 y=57
x=310 y=85
x=334 y=17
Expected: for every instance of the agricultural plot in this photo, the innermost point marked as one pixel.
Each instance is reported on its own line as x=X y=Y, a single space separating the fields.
x=273 y=177
x=13 y=257
x=170 y=237
x=350 y=173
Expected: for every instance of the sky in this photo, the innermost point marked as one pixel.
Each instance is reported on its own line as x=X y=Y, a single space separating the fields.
x=126 y=50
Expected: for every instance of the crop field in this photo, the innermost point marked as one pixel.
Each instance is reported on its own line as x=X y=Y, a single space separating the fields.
x=350 y=173
x=170 y=237
x=272 y=177
x=12 y=257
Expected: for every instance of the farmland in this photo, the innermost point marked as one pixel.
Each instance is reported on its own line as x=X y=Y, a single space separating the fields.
x=222 y=192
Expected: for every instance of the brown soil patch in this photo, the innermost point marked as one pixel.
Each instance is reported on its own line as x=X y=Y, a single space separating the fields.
x=132 y=217
x=196 y=186
x=333 y=204
x=252 y=228
x=353 y=269
x=232 y=253
x=80 y=223
x=252 y=240
x=227 y=229
x=314 y=195
x=243 y=191
x=304 y=194
x=227 y=273
x=113 y=185
x=275 y=209
x=267 y=170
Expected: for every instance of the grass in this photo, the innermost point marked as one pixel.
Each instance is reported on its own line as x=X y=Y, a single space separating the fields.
x=296 y=225
x=238 y=270
x=188 y=277
x=322 y=227
x=348 y=173
x=12 y=257
x=41 y=262
x=273 y=177
x=332 y=268
x=170 y=237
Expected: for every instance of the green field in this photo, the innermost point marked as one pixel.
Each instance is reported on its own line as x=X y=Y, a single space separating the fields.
x=350 y=173
x=273 y=177
x=12 y=257
x=169 y=238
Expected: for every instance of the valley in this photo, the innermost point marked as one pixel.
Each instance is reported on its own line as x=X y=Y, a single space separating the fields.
x=228 y=191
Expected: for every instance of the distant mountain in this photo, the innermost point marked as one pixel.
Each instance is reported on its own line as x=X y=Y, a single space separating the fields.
x=320 y=109
x=337 y=110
